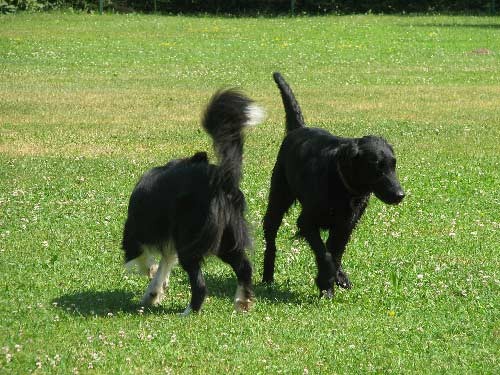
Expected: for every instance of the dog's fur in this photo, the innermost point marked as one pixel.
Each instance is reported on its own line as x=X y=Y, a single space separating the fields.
x=332 y=178
x=190 y=208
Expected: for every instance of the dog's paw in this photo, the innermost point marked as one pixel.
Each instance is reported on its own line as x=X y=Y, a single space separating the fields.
x=267 y=281
x=152 y=298
x=328 y=294
x=243 y=300
x=342 y=280
x=243 y=305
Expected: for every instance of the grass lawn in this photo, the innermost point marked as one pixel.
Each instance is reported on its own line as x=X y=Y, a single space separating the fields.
x=88 y=103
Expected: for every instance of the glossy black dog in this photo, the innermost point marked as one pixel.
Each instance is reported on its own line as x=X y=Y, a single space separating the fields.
x=190 y=208
x=332 y=178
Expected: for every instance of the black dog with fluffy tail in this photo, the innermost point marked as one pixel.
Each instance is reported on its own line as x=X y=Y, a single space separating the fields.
x=332 y=178
x=190 y=208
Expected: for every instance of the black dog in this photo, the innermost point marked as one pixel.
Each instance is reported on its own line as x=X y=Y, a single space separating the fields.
x=189 y=208
x=332 y=178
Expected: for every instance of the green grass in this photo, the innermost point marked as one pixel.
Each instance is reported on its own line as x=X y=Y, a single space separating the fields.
x=88 y=103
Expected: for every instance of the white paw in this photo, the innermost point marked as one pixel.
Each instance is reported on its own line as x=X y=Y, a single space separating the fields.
x=243 y=305
x=152 y=298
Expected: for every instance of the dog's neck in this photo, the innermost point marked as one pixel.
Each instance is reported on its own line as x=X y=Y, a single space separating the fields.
x=346 y=184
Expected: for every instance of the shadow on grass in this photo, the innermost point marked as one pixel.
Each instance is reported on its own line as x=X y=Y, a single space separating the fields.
x=106 y=302
x=225 y=287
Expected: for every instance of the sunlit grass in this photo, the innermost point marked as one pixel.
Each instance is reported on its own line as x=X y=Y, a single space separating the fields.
x=88 y=103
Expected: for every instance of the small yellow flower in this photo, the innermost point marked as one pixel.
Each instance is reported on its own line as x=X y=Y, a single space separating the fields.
x=391 y=313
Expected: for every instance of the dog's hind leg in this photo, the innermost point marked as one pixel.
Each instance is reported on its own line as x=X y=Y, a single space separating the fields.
x=280 y=200
x=237 y=259
x=324 y=261
x=159 y=283
x=170 y=254
x=145 y=263
x=197 y=282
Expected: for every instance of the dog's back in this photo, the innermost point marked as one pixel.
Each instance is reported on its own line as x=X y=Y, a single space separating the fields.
x=159 y=196
x=300 y=154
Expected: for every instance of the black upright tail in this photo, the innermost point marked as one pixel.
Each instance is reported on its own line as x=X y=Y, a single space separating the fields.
x=294 y=119
x=228 y=112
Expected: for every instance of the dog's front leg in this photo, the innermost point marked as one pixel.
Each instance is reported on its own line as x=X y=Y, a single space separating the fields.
x=336 y=244
x=324 y=261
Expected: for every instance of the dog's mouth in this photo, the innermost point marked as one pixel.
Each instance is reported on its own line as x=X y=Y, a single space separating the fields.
x=391 y=197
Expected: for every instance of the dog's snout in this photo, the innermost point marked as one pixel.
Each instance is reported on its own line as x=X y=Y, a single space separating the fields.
x=389 y=191
x=396 y=196
x=399 y=196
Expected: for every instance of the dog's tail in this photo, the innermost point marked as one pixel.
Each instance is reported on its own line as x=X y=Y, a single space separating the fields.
x=294 y=119
x=227 y=114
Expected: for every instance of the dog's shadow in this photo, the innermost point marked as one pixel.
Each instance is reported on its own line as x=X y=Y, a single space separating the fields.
x=107 y=303
x=224 y=287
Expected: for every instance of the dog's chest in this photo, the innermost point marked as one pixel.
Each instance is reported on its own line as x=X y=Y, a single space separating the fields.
x=346 y=210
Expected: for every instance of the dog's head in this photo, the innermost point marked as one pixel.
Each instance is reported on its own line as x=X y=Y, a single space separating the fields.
x=368 y=165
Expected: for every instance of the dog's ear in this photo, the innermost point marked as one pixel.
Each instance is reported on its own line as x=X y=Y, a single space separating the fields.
x=199 y=157
x=347 y=152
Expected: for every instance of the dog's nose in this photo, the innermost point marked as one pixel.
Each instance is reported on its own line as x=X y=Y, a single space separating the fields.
x=400 y=195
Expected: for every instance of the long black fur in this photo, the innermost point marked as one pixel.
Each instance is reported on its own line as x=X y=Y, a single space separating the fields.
x=332 y=178
x=197 y=208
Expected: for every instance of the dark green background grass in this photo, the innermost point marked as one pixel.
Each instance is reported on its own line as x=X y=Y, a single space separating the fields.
x=88 y=103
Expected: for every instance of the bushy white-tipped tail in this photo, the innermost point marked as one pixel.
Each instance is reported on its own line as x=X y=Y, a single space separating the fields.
x=255 y=114
x=227 y=114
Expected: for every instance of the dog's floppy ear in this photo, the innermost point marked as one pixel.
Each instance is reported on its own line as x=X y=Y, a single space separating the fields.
x=347 y=152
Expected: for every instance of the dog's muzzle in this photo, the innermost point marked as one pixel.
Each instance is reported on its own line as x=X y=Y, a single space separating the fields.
x=389 y=191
